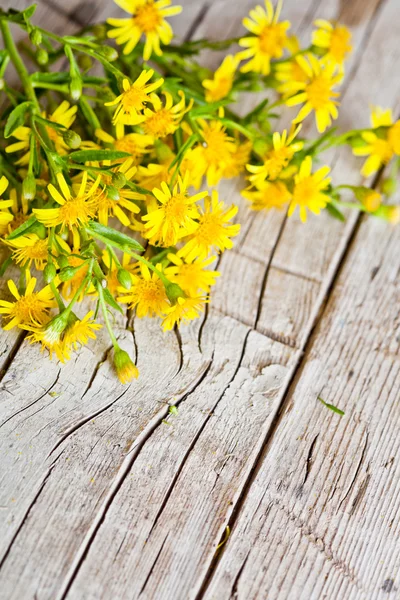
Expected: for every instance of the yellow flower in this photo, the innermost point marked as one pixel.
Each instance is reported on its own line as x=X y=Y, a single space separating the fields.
x=31 y=307
x=147 y=294
x=5 y=216
x=136 y=144
x=192 y=276
x=30 y=248
x=317 y=93
x=133 y=99
x=394 y=137
x=63 y=115
x=381 y=117
x=372 y=201
x=154 y=174
x=164 y=120
x=334 y=39
x=213 y=232
x=148 y=19
x=269 y=39
x=378 y=150
x=126 y=369
x=235 y=163
x=277 y=158
x=74 y=210
x=268 y=195
x=54 y=346
x=108 y=206
x=175 y=218
x=185 y=310
x=308 y=189
x=80 y=331
x=213 y=156
x=220 y=85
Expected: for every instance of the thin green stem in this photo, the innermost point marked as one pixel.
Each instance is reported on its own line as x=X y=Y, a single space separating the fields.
x=106 y=317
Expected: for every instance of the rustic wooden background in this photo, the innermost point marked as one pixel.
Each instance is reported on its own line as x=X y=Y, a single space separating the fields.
x=103 y=499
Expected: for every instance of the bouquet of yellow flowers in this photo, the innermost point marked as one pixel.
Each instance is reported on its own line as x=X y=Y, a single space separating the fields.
x=108 y=182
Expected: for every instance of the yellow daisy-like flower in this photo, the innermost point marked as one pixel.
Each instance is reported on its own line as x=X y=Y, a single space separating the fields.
x=74 y=210
x=63 y=115
x=185 y=310
x=30 y=248
x=80 y=331
x=334 y=39
x=176 y=217
x=136 y=144
x=5 y=216
x=317 y=93
x=308 y=190
x=269 y=39
x=39 y=335
x=220 y=85
x=378 y=150
x=107 y=206
x=277 y=158
x=164 y=120
x=215 y=153
x=237 y=160
x=192 y=276
x=126 y=369
x=133 y=99
x=154 y=174
x=148 y=19
x=394 y=137
x=30 y=307
x=268 y=195
x=147 y=294
x=213 y=232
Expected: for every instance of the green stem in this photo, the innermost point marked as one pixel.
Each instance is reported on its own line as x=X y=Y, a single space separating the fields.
x=106 y=318
x=17 y=62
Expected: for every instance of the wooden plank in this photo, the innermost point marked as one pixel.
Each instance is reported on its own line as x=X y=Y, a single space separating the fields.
x=325 y=525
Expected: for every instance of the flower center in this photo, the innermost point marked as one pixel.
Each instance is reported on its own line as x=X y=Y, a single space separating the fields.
x=216 y=149
x=176 y=209
x=29 y=308
x=75 y=211
x=150 y=292
x=160 y=124
x=340 y=44
x=133 y=99
x=382 y=149
x=209 y=230
x=304 y=191
x=277 y=160
x=147 y=17
x=272 y=39
x=319 y=92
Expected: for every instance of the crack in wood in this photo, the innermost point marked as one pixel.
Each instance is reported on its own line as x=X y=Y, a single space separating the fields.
x=309 y=460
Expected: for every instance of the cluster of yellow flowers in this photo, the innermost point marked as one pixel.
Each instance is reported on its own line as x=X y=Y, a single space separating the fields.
x=100 y=190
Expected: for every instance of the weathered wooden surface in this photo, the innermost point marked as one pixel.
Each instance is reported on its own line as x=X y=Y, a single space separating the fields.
x=100 y=498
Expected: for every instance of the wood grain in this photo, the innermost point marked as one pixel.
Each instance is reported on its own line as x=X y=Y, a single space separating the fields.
x=106 y=495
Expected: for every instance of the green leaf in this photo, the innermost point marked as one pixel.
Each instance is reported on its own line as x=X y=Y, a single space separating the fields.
x=115 y=238
x=335 y=212
x=49 y=77
x=82 y=156
x=331 y=407
x=16 y=118
x=27 y=227
x=188 y=144
x=18 y=16
x=111 y=301
x=5 y=266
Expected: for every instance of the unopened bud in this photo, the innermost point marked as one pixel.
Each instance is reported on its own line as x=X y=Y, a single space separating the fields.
x=125 y=367
x=99 y=31
x=174 y=291
x=118 y=180
x=112 y=193
x=72 y=139
x=75 y=87
x=49 y=272
x=124 y=278
x=29 y=187
x=389 y=186
x=260 y=147
x=108 y=52
x=62 y=261
x=36 y=37
x=67 y=273
x=42 y=57
x=372 y=201
x=85 y=62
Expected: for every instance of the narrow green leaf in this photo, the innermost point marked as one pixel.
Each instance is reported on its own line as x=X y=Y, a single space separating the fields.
x=114 y=237
x=331 y=407
x=16 y=118
x=188 y=144
x=335 y=212
x=5 y=266
x=82 y=156
x=25 y=228
x=111 y=301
